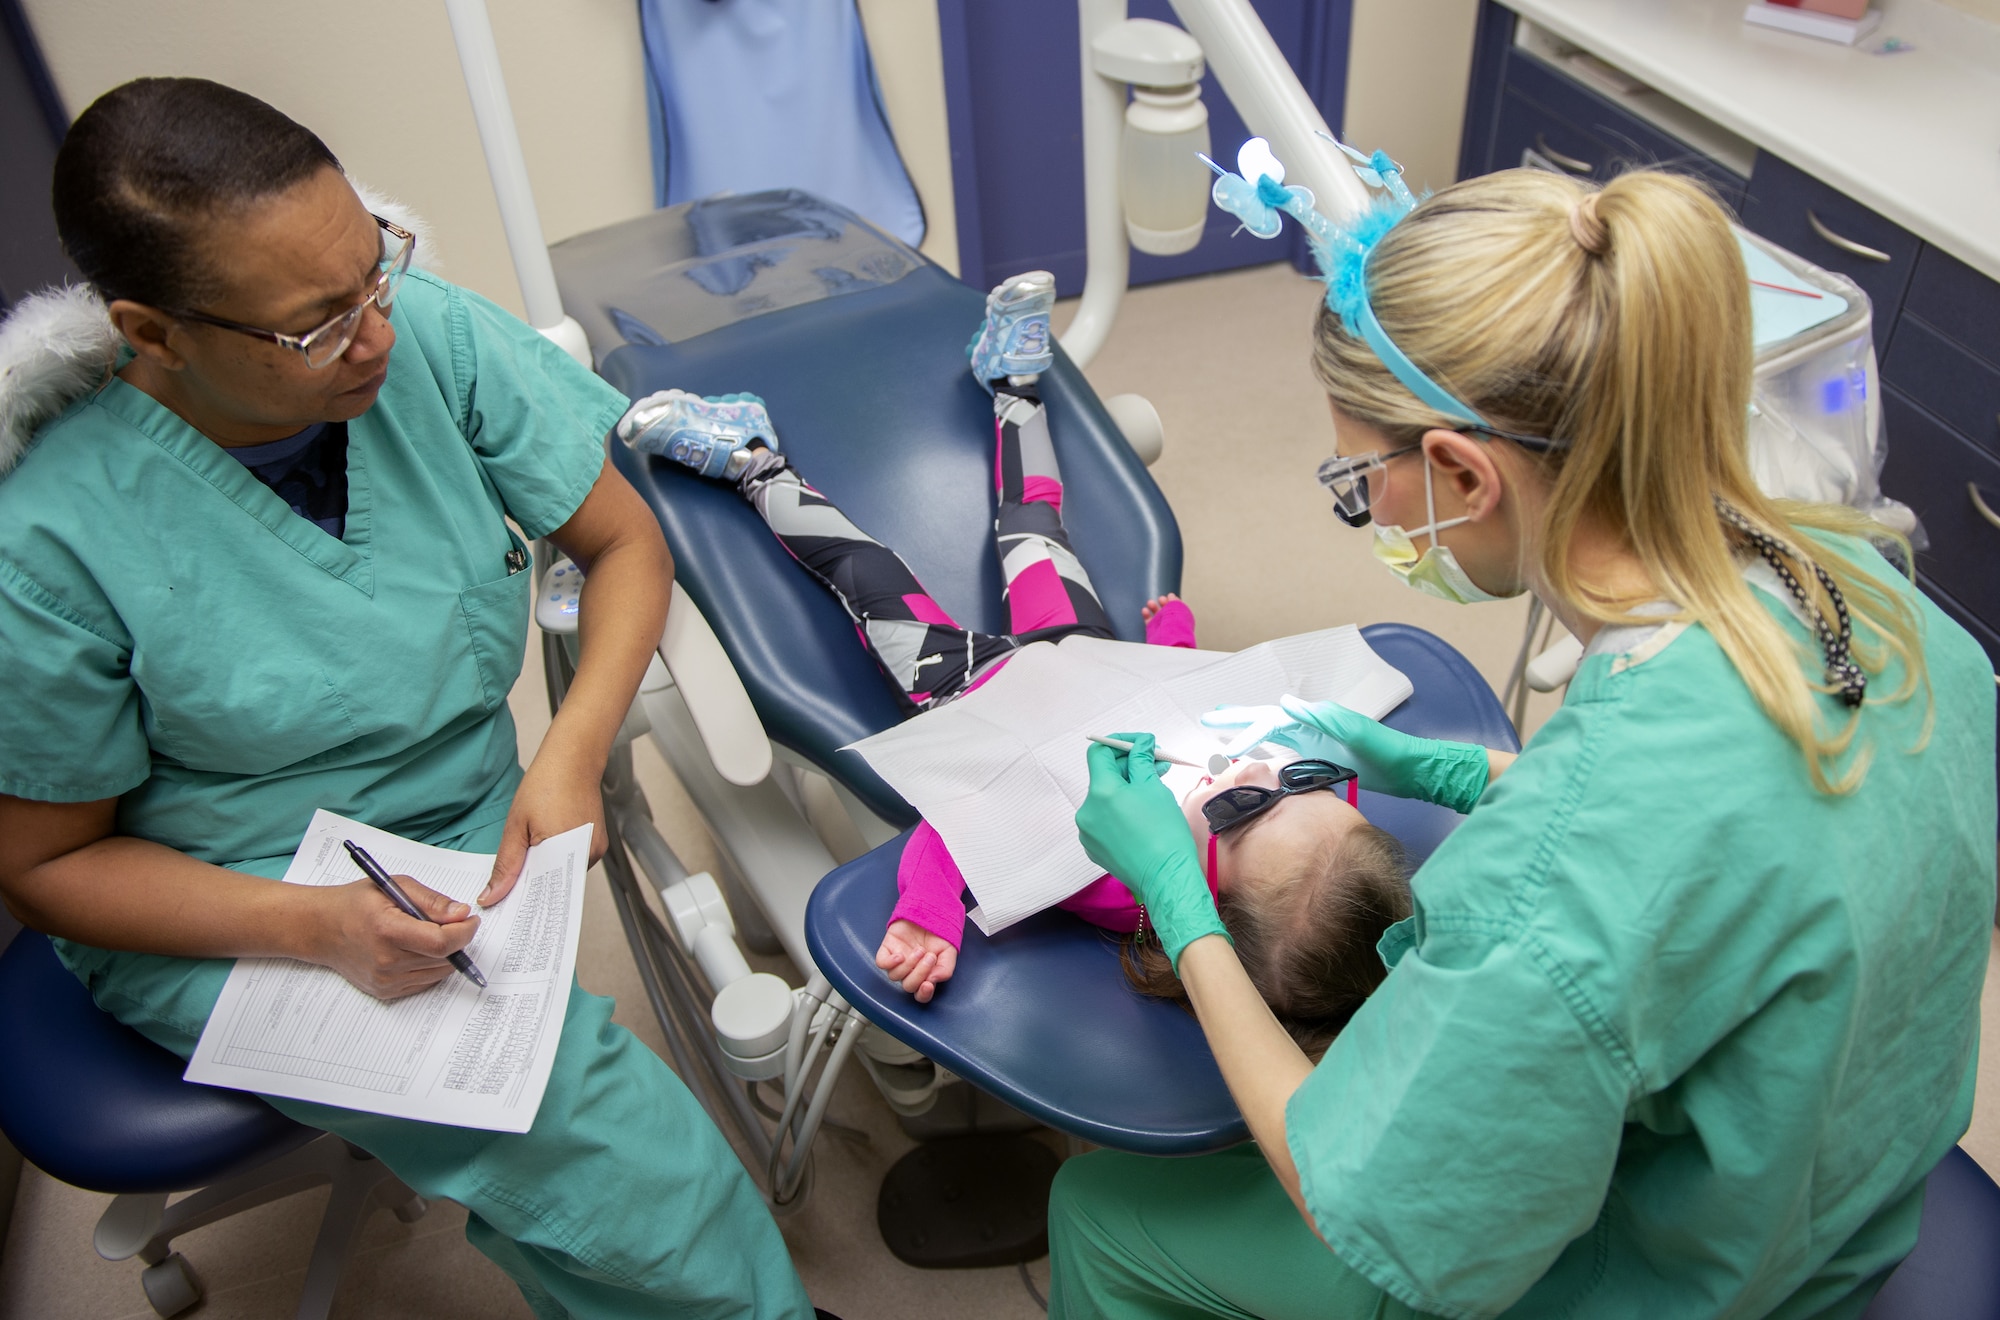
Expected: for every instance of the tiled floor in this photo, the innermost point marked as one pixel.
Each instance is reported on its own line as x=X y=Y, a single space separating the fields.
x=1223 y=359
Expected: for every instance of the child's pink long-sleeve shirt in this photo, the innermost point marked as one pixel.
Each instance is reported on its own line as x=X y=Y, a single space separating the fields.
x=930 y=885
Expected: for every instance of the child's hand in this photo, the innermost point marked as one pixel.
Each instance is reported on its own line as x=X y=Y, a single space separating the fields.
x=920 y=960
x=1152 y=607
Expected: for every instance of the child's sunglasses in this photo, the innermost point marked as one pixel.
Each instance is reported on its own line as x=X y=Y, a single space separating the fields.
x=1233 y=806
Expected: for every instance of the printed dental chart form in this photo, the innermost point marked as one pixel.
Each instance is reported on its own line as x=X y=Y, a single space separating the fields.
x=452 y=1054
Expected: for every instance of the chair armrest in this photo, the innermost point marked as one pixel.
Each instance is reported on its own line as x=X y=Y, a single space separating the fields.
x=722 y=712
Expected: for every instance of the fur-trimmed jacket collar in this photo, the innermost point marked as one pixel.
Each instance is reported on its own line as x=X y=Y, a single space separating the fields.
x=58 y=345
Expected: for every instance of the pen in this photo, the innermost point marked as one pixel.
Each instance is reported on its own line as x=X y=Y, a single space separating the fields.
x=373 y=870
x=1120 y=745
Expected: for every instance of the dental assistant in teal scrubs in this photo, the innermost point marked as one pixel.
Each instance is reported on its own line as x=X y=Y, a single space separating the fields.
x=1688 y=1007
x=265 y=567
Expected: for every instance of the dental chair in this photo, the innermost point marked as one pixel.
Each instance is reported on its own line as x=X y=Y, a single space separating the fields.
x=856 y=343
x=1040 y=1013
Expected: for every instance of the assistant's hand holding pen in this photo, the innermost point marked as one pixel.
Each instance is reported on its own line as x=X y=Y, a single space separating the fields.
x=388 y=957
x=352 y=929
x=1131 y=826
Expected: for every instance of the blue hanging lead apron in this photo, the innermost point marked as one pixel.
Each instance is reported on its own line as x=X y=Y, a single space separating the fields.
x=755 y=94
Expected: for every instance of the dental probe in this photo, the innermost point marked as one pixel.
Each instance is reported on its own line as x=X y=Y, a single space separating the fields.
x=1217 y=762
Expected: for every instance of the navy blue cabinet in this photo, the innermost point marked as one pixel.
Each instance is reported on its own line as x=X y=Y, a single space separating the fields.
x=1962 y=389
x=1957 y=302
x=1624 y=139
x=1955 y=488
x=1528 y=134
x=1830 y=229
x=1523 y=110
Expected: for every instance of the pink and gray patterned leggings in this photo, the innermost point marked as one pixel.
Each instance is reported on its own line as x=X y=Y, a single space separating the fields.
x=928 y=656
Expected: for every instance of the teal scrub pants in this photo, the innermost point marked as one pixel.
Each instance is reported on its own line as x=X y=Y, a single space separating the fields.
x=1133 y=1235
x=621 y=1200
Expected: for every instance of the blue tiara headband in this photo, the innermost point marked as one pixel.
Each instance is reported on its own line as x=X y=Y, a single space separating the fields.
x=1340 y=250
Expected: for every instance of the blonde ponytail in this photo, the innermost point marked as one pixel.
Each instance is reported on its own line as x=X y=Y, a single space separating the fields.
x=1619 y=319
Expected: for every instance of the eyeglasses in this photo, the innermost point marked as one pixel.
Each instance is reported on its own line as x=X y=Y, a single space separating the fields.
x=1347 y=478
x=1245 y=802
x=324 y=343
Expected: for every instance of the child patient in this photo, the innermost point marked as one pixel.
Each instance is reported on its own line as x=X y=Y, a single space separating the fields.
x=1304 y=884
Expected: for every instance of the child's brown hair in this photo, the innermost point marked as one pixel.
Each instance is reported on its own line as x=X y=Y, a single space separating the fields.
x=1306 y=937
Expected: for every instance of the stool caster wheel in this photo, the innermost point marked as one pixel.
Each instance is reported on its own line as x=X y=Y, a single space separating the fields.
x=412 y=1210
x=171 y=1285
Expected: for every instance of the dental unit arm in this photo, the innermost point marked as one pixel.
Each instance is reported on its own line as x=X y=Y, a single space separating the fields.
x=1155 y=58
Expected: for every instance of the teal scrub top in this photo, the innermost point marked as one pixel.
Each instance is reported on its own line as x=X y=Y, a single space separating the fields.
x=1671 y=1034
x=177 y=638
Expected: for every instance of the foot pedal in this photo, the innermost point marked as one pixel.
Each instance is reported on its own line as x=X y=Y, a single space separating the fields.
x=963 y=1203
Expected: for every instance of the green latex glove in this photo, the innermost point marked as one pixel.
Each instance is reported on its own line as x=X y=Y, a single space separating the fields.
x=1451 y=774
x=1132 y=827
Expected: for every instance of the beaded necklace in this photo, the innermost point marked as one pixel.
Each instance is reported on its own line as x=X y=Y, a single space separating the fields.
x=1841 y=671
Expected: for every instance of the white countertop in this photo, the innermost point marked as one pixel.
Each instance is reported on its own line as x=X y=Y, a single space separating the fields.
x=1916 y=136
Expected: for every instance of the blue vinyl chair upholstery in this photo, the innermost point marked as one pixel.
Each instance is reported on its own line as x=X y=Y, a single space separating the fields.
x=871 y=396
x=95 y=1104
x=1954 y=1273
x=1041 y=1015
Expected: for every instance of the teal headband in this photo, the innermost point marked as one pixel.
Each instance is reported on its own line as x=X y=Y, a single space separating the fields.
x=1363 y=324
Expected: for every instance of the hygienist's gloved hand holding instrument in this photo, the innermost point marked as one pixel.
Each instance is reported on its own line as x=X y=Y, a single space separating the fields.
x=1450 y=774
x=1132 y=827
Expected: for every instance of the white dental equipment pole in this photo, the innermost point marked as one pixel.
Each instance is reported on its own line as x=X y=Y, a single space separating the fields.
x=479 y=58
x=1107 y=258
x=1265 y=91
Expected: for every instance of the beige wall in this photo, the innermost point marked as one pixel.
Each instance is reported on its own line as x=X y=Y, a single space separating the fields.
x=379 y=81
x=1408 y=62
x=1986 y=9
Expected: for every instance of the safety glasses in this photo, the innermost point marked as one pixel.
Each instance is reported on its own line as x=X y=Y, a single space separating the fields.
x=324 y=343
x=1245 y=802
x=1346 y=478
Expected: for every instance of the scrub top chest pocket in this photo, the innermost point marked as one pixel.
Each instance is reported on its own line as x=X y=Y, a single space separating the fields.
x=496 y=624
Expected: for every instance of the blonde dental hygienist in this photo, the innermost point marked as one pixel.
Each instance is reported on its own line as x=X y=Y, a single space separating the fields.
x=1689 y=1003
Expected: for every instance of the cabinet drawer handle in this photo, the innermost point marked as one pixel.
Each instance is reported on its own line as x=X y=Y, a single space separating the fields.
x=1979 y=503
x=1570 y=163
x=1847 y=245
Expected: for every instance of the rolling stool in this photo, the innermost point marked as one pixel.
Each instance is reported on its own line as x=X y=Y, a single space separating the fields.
x=93 y=1103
